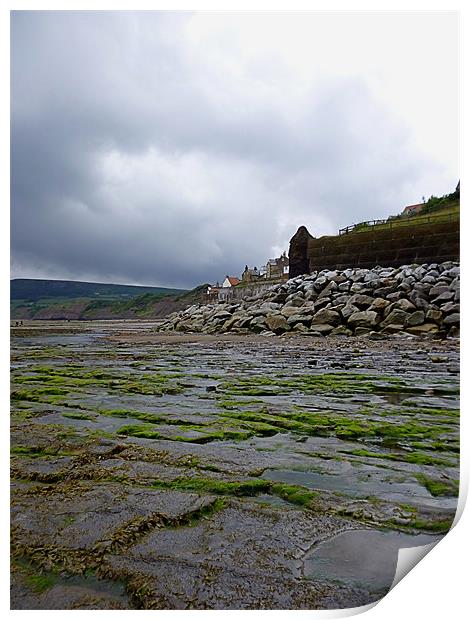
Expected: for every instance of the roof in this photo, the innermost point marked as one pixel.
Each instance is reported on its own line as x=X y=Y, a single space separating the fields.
x=416 y=207
x=233 y=281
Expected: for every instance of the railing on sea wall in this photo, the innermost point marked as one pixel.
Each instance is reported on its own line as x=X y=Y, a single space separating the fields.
x=405 y=221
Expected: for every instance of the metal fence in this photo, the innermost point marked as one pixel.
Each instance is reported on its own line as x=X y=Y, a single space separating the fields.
x=406 y=221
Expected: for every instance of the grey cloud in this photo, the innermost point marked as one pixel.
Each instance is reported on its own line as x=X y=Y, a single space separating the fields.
x=132 y=161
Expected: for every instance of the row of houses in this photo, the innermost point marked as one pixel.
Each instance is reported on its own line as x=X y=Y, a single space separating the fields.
x=274 y=270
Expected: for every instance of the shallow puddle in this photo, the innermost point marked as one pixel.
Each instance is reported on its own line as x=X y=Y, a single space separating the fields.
x=365 y=558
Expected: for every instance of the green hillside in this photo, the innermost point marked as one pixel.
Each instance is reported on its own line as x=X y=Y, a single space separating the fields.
x=436 y=209
x=108 y=301
x=33 y=290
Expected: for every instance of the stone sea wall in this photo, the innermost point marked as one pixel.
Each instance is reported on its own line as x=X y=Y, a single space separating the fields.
x=416 y=299
x=433 y=241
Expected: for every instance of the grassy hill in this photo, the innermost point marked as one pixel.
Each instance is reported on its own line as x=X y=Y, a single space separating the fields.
x=436 y=209
x=33 y=290
x=53 y=299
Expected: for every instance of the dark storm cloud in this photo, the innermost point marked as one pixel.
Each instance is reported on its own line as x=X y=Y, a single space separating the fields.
x=139 y=156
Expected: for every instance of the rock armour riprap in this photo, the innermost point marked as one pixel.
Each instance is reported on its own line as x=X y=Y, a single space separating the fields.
x=417 y=299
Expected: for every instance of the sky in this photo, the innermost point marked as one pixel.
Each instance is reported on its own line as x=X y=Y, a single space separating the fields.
x=173 y=148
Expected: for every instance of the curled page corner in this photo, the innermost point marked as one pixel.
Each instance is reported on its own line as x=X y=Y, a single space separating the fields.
x=408 y=558
x=355 y=611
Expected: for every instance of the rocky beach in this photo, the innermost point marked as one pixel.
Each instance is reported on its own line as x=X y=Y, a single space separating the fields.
x=167 y=470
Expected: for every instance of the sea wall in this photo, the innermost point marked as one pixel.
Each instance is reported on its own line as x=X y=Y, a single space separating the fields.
x=251 y=290
x=435 y=241
x=413 y=299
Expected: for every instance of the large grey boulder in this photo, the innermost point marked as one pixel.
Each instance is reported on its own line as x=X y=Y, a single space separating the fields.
x=327 y=316
x=221 y=316
x=305 y=319
x=437 y=290
x=258 y=324
x=384 y=291
x=364 y=318
x=300 y=327
x=361 y=301
x=297 y=300
x=321 y=328
x=348 y=310
x=426 y=328
x=434 y=315
x=444 y=297
x=405 y=305
x=330 y=288
x=277 y=323
x=379 y=304
x=396 y=317
x=341 y=330
x=452 y=319
x=415 y=318
x=450 y=308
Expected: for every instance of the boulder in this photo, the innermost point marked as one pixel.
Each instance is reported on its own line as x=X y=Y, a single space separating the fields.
x=348 y=310
x=277 y=323
x=288 y=311
x=300 y=327
x=265 y=308
x=297 y=301
x=364 y=318
x=245 y=322
x=433 y=315
x=361 y=301
x=415 y=318
x=418 y=299
x=452 y=319
x=384 y=291
x=405 y=305
x=322 y=303
x=444 y=297
x=379 y=304
x=437 y=290
x=344 y=286
x=299 y=318
x=341 y=330
x=326 y=316
x=426 y=328
x=449 y=308
x=258 y=324
x=279 y=298
x=396 y=317
x=321 y=328
x=330 y=288
x=221 y=316
x=391 y=328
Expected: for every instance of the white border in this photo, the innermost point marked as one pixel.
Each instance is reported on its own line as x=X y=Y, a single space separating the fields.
x=437 y=586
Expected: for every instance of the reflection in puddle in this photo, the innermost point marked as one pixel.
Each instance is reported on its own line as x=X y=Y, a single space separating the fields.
x=62 y=340
x=366 y=558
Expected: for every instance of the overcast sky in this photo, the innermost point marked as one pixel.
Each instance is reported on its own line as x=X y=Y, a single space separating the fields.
x=173 y=148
